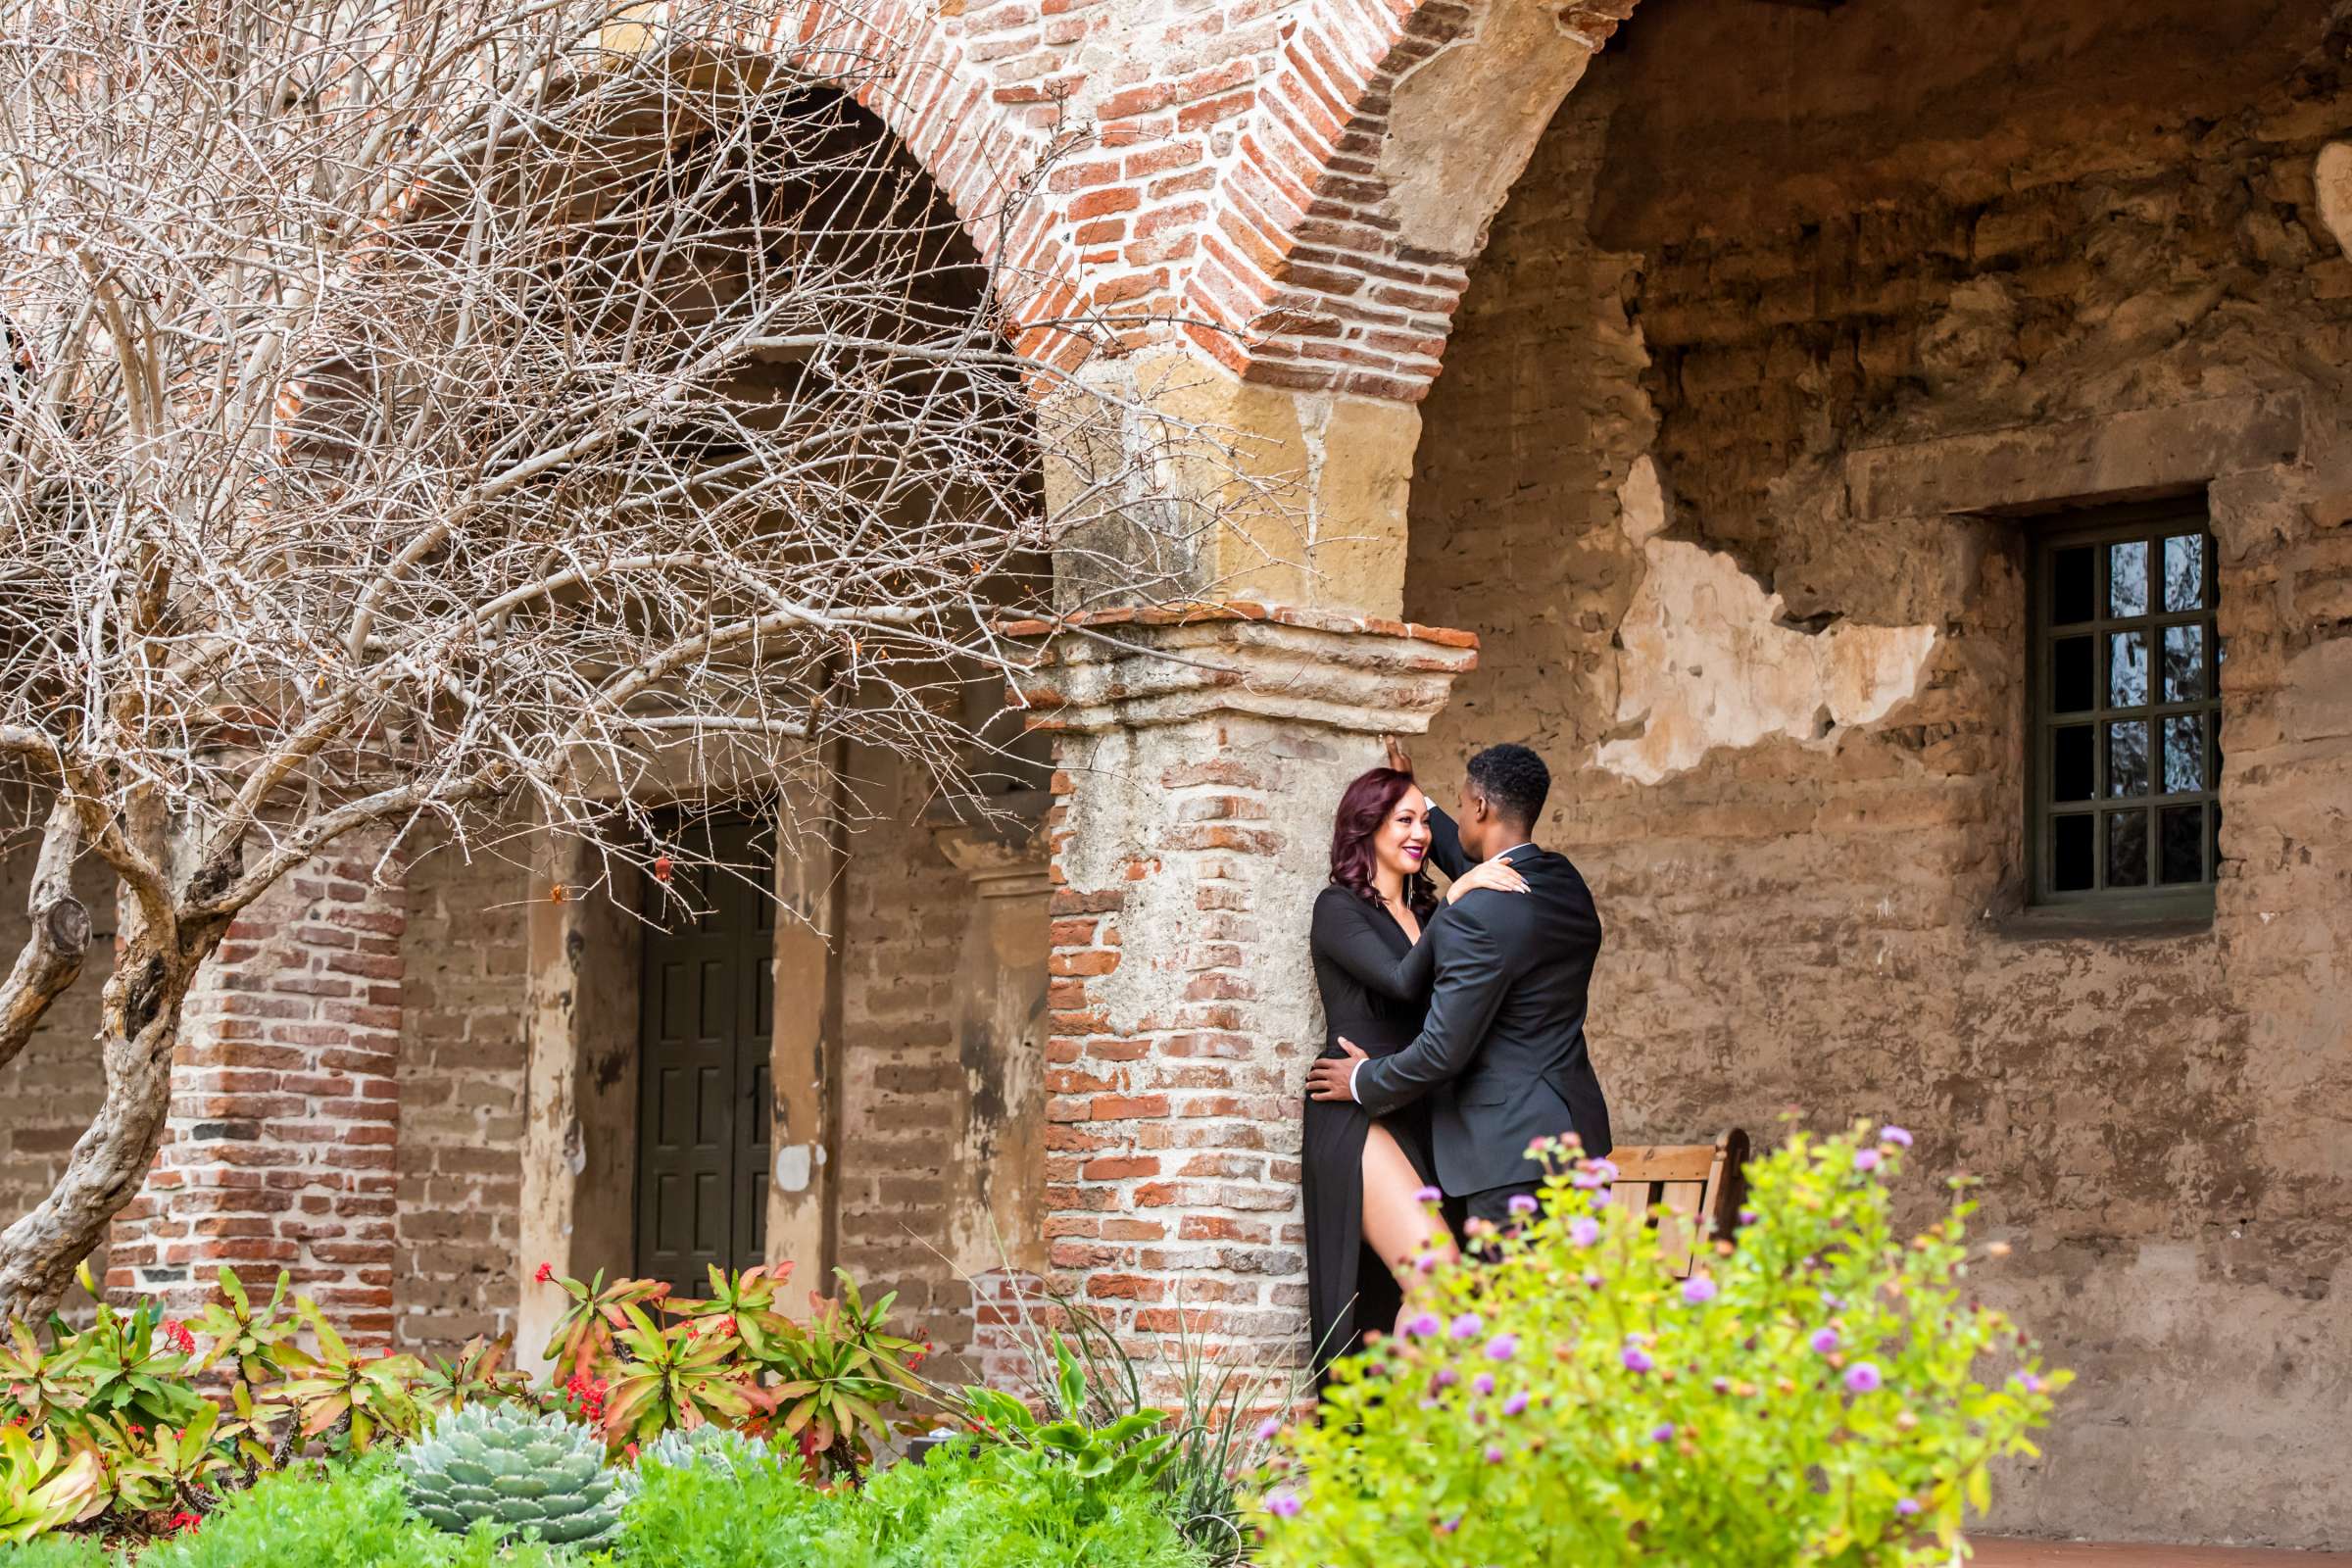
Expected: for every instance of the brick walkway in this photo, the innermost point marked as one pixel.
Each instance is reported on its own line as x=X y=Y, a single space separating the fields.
x=2050 y=1554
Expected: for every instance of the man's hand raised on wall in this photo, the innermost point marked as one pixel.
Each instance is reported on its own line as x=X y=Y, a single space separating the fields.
x=1398 y=756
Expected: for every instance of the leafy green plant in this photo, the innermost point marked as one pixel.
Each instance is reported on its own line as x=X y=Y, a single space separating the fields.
x=250 y=1340
x=473 y=1378
x=672 y=1375
x=1131 y=1450
x=61 y=1552
x=352 y=1396
x=583 y=1336
x=43 y=1486
x=1810 y=1397
x=517 y=1472
x=837 y=1375
x=335 y=1516
x=168 y=1469
x=695 y=1515
x=993 y=1505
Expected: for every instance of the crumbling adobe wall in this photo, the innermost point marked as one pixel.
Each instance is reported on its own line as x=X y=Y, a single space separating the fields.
x=1780 y=296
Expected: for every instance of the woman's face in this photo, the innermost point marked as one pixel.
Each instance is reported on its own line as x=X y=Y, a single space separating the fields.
x=1403 y=837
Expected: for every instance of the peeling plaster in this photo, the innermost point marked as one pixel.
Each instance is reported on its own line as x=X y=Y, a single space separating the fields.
x=2332 y=175
x=1707 y=661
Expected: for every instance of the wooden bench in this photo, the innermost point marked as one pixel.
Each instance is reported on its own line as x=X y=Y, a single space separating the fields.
x=1702 y=1185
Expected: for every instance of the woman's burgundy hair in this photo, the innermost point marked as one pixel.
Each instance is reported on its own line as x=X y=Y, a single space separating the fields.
x=1363 y=809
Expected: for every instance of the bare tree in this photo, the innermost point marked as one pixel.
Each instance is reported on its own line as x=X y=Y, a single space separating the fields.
x=421 y=410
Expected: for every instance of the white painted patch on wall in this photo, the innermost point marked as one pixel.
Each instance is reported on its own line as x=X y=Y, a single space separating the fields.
x=1707 y=664
x=797 y=1165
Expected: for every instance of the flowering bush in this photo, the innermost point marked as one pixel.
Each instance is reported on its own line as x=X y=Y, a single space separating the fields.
x=1808 y=1396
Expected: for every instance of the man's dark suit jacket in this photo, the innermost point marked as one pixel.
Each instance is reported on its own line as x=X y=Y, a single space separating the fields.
x=1502 y=1055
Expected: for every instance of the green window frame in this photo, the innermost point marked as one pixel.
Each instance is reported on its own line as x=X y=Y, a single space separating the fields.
x=2124 y=759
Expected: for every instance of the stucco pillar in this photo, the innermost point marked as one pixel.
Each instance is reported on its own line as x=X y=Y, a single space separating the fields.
x=1001 y=1027
x=579 y=1150
x=1200 y=755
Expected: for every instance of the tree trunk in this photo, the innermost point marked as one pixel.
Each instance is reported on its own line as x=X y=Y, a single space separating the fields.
x=139 y=1025
x=60 y=936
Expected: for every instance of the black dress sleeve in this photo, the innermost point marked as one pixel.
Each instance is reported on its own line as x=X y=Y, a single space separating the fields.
x=1344 y=933
x=1446 y=851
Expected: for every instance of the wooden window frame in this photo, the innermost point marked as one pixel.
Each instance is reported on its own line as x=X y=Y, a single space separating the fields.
x=2107 y=525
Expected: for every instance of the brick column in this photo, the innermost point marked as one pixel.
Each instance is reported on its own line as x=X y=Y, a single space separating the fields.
x=1191 y=835
x=279 y=1152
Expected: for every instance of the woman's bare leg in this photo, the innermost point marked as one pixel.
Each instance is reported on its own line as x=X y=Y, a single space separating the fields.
x=1398 y=1224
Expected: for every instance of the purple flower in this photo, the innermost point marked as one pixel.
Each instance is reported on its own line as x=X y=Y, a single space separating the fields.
x=1584 y=1232
x=1516 y=1405
x=1268 y=1428
x=1591 y=1280
x=1721 y=1385
x=1284 y=1504
x=1698 y=1290
x=1427 y=1263
x=1867 y=1160
x=1663 y=1431
x=1423 y=1325
x=1600 y=1200
x=1447 y=1377
x=1637 y=1359
x=1428 y=1194
x=1825 y=1341
x=1900 y=1139
x=1502 y=1347
x=2030 y=1383
x=1469 y=1326
x=1484 y=1382
x=1521 y=1203
x=1747 y=1217
x=1863 y=1378
x=1494 y=1453
x=1906 y=1506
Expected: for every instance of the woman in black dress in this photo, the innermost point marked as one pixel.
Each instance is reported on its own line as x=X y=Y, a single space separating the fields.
x=1365 y=1218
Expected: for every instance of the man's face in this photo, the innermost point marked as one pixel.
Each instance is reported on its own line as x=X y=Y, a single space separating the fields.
x=1475 y=821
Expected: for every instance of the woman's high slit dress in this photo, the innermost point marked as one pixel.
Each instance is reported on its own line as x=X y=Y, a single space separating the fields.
x=1375 y=985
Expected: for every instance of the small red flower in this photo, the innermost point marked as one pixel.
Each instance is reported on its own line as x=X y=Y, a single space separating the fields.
x=547 y=1272
x=661 y=867
x=183 y=1521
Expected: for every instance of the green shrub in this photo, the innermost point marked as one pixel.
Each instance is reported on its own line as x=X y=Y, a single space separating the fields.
x=58 y=1551
x=347 y=1518
x=997 y=1507
x=700 y=1516
x=1812 y=1399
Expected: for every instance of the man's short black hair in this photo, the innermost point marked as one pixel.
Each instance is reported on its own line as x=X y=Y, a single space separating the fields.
x=1514 y=781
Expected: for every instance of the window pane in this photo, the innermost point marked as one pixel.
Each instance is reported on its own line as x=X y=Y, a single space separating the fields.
x=2071 y=869
x=2184 y=571
x=2184 y=664
x=2071 y=767
x=2182 y=829
x=2073 y=593
x=2128 y=757
x=2127 y=578
x=2126 y=668
x=2183 y=754
x=2127 y=850
x=2074 y=675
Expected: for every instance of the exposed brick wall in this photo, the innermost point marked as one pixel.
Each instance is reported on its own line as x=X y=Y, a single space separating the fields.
x=901 y=1173
x=461 y=1057
x=284 y=1113
x=1822 y=253
x=1224 y=169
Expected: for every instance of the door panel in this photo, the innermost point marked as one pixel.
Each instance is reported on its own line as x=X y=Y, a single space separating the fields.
x=704 y=1032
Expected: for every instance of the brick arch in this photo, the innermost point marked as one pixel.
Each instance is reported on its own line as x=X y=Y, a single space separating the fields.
x=978 y=136
x=1361 y=191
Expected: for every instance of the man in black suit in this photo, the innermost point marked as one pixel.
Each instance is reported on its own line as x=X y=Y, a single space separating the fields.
x=1502 y=1053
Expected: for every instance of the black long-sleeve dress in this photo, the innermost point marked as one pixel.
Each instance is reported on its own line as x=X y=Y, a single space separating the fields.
x=1375 y=985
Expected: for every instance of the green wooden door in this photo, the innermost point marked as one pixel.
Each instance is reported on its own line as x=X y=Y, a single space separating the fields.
x=703 y=1107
